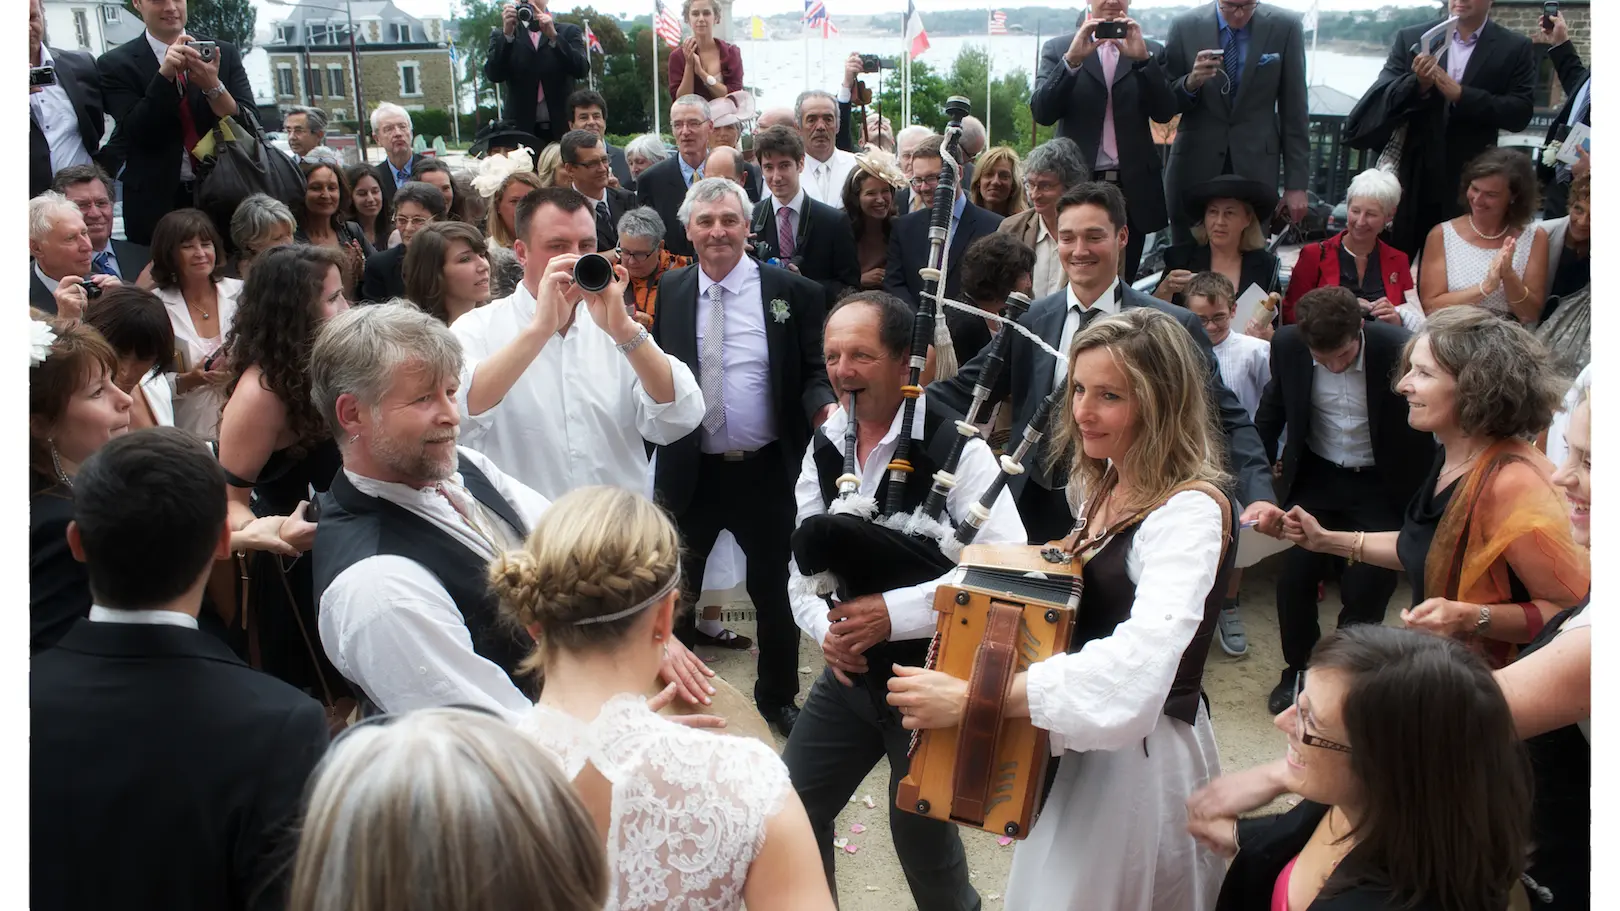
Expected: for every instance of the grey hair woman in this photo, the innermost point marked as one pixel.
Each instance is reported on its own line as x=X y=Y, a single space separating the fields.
x=447 y=809
x=259 y=223
x=643 y=152
x=642 y=252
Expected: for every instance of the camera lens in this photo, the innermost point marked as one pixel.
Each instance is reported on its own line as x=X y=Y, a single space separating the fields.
x=593 y=272
x=91 y=289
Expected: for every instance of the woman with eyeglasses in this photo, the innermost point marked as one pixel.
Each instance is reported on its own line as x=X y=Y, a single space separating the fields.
x=644 y=256
x=1416 y=789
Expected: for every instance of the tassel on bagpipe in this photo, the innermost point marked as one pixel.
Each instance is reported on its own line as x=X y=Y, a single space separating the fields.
x=1012 y=465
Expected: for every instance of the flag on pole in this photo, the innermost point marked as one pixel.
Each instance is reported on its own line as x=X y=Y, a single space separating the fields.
x=592 y=43
x=998 y=22
x=914 y=28
x=665 y=23
x=815 y=12
x=452 y=53
x=757 y=29
x=828 y=30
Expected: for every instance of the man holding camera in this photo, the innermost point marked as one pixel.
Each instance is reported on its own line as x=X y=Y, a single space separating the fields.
x=64 y=105
x=809 y=237
x=538 y=59
x=166 y=90
x=62 y=281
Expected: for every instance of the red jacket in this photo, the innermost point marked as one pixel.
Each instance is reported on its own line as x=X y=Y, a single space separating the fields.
x=1309 y=274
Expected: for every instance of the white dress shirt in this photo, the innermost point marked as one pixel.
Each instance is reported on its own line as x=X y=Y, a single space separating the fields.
x=578 y=414
x=1105 y=305
x=824 y=180
x=388 y=624
x=198 y=410
x=161 y=50
x=1245 y=367
x=1340 y=431
x=58 y=120
x=99 y=614
x=750 y=420
x=911 y=609
x=1048 y=276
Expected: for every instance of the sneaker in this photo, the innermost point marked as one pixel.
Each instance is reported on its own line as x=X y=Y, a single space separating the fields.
x=1229 y=627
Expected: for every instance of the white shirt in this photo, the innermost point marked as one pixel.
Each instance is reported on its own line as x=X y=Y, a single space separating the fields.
x=911 y=609
x=750 y=420
x=161 y=50
x=388 y=625
x=794 y=205
x=1245 y=367
x=158 y=390
x=1340 y=431
x=198 y=410
x=99 y=614
x=1048 y=276
x=824 y=180
x=49 y=283
x=53 y=110
x=578 y=414
x=1110 y=694
x=1105 y=305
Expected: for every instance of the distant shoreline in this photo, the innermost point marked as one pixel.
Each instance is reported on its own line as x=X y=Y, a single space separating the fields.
x=1355 y=48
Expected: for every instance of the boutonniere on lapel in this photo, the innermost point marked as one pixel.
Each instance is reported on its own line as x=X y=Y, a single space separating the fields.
x=779 y=310
x=1269 y=59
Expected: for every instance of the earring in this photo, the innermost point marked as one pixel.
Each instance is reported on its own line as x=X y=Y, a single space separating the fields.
x=352 y=440
x=56 y=462
x=658 y=637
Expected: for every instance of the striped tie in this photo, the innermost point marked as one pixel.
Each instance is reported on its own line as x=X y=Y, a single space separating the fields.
x=1234 y=65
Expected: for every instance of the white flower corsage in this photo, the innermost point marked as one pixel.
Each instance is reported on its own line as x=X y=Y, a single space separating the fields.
x=41 y=338
x=1549 y=154
x=779 y=310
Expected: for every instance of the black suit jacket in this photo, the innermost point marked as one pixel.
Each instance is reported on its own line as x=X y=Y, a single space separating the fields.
x=1077 y=102
x=155 y=751
x=621 y=167
x=824 y=245
x=799 y=385
x=662 y=187
x=38 y=294
x=1572 y=74
x=619 y=201
x=385 y=180
x=58 y=585
x=147 y=110
x=77 y=75
x=523 y=68
x=132 y=259
x=384 y=277
x=908 y=251
x=1028 y=374
x=1403 y=455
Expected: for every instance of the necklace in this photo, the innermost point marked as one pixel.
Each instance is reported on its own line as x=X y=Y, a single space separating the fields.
x=196 y=309
x=1455 y=469
x=1482 y=234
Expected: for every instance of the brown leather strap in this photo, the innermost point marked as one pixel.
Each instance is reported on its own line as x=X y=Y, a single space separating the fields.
x=993 y=667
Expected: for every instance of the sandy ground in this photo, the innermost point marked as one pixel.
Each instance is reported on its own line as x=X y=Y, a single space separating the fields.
x=869 y=879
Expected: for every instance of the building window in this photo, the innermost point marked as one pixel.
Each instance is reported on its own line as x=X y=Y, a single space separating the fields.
x=112 y=14
x=312 y=82
x=81 y=27
x=284 y=80
x=402 y=32
x=410 y=75
x=286 y=34
x=334 y=81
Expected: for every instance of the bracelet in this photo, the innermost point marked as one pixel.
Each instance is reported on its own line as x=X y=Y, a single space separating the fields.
x=1482 y=291
x=1524 y=297
x=1532 y=618
x=639 y=340
x=214 y=92
x=1235 y=844
x=1355 y=548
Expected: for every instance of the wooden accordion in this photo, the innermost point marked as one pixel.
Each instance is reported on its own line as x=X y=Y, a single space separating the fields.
x=1010 y=606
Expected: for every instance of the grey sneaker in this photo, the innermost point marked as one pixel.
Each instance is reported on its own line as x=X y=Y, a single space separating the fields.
x=1234 y=641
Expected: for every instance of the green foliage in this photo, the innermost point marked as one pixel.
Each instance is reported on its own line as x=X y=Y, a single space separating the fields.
x=1009 y=114
x=475 y=19
x=221 y=20
x=431 y=122
x=928 y=93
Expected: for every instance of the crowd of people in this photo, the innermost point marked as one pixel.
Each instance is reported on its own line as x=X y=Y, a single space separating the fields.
x=367 y=527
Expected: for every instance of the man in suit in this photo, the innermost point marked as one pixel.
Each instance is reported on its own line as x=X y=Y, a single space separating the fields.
x=1352 y=461
x=1453 y=105
x=905 y=146
x=60 y=256
x=1101 y=94
x=416 y=205
x=1091 y=239
x=752 y=334
x=908 y=242
x=811 y=238
x=1576 y=81
x=391 y=130
x=538 y=68
x=165 y=97
x=1237 y=70
x=585 y=165
x=663 y=186
x=65 y=119
x=130 y=699
x=89 y=188
x=587 y=110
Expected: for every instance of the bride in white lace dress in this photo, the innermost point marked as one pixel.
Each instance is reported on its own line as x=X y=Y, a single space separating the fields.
x=691 y=819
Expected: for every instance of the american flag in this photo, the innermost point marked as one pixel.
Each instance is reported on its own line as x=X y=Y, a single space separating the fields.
x=667 y=26
x=815 y=12
x=998 y=22
x=591 y=41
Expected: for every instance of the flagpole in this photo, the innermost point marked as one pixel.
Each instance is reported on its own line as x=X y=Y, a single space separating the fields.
x=905 y=75
x=989 y=69
x=655 y=39
x=1037 y=69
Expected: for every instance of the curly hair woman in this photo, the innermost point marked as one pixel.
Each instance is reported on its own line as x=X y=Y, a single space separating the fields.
x=275 y=448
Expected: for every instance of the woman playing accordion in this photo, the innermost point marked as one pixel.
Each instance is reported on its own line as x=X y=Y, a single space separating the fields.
x=1123 y=706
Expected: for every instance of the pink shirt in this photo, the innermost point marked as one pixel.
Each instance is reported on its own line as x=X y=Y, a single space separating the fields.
x=1279 y=895
x=1460 y=51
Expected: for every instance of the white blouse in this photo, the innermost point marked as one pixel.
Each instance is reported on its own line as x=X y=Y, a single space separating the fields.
x=1111 y=692
x=198 y=410
x=158 y=389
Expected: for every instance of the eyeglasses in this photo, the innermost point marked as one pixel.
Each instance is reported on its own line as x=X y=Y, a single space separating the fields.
x=1218 y=319
x=924 y=183
x=1043 y=186
x=592 y=164
x=1310 y=740
x=1231 y=7
x=416 y=221
x=299 y=131
x=631 y=256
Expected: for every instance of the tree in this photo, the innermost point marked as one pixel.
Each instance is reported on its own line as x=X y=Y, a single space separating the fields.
x=475 y=20
x=1010 y=92
x=221 y=20
x=928 y=94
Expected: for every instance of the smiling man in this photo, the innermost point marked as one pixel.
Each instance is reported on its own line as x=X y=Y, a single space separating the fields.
x=810 y=237
x=587 y=110
x=88 y=187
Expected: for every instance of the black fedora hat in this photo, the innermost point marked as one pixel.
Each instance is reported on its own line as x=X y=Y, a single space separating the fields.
x=502 y=134
x=1260 y=197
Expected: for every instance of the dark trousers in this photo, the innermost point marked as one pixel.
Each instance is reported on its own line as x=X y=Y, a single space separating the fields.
x=753 y=499
x=1133 y=244
x=1045 y=512
x=1342 y=500
x=841 y=734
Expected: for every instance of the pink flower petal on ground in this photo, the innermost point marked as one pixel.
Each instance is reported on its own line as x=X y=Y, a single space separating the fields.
x=1004 y=841
x=851 y=849
x=857 y=828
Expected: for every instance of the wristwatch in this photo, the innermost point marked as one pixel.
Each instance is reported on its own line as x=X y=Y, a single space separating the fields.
x=214 y=92
x=634 y=343
x=713 y=80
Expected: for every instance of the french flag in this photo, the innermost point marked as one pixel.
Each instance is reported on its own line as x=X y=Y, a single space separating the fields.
x=914 y=28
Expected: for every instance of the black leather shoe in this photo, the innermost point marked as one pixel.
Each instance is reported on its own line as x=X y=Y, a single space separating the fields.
x=1282 y=696
x=784 y=717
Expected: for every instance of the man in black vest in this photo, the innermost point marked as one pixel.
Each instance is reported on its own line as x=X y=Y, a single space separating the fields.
x=819 y=242
x=846 y=725
x=154 y=750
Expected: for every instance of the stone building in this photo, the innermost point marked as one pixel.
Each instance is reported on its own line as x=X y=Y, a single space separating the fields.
x=403 y=59
x=1524 y=17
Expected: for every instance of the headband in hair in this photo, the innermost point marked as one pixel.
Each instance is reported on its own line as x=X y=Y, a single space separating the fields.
x=41 y=338
x=669 y=586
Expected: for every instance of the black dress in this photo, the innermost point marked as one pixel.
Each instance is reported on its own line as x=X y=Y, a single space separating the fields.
x=1561 y=862
x=1423 y=516
x=283 y=623
x=58 y=585
x=1259 y=268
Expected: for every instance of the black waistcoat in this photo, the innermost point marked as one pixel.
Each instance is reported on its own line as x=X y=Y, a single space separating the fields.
x=355 y=526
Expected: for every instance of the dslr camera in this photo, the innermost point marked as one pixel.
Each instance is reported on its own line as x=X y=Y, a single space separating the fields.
x=528 y=16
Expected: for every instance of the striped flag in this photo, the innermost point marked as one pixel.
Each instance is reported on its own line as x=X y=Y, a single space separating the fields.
x=665 y=23
x=815 y=12
x=828 y=30
x=914 y=28
x=592 y=42
x=998 y=22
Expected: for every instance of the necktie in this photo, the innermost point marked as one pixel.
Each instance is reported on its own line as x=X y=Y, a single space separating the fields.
x=785 y=241
x=102 y=264
x=188 y=125
x=604 y=222
x=542 y=114
x=1234 y=65
x=462 y=503
x=1108 y=151
x=711 y=363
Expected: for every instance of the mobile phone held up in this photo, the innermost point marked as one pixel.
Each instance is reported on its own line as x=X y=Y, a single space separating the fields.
x=1548 y=11
x=1107 y=30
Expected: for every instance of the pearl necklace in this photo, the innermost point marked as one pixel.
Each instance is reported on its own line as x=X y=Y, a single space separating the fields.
x=1482 y=234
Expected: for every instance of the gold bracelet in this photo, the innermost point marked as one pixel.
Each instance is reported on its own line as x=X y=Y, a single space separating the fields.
x=1355 y=548
x=1524 y=297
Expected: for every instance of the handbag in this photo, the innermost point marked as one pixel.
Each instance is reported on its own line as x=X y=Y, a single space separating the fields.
x=240 y=169
x=340 y=711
